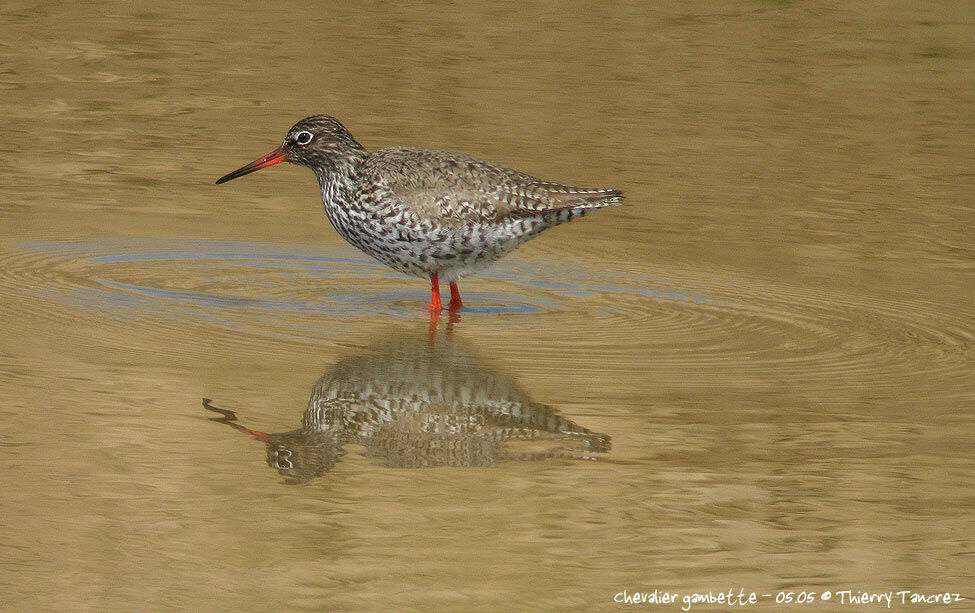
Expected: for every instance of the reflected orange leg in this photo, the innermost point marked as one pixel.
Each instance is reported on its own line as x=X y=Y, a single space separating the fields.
x=434 y=320
x=452 y=319
x=435 y=306
x=455 y=301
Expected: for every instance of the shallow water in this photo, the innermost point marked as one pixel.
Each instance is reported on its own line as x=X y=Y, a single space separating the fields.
x=757 y=375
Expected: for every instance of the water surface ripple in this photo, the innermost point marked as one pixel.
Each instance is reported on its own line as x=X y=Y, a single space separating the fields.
x=253 y=294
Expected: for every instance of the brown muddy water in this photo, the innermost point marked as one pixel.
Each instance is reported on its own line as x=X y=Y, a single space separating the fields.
x=758 y=375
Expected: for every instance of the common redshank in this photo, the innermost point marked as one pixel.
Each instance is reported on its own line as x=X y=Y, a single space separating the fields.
x=410 y=404
x=426 y=212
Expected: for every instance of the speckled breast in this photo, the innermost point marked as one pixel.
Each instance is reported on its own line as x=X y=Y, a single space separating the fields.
x=422 y=247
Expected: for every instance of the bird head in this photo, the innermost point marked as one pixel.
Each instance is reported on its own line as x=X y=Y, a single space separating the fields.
x=319 y=142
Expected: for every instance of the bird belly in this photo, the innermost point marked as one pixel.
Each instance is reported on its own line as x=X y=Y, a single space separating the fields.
x=423 y=248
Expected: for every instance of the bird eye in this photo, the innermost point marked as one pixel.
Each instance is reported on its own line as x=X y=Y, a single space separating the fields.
x=304 y=137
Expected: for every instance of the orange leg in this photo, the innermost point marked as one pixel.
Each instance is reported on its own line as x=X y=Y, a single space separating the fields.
x=435 y=306
x=455 y=301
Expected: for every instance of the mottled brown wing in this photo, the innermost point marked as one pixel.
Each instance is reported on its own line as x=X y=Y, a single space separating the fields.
x=455 y=190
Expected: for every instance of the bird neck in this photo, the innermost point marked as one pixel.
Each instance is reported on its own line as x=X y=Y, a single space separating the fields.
x=337 y=172
x=337 y=158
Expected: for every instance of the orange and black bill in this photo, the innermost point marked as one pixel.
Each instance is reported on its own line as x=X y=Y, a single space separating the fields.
x=275 y=157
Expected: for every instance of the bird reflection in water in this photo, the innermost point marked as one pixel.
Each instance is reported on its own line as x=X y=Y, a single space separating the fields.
x=420 y=402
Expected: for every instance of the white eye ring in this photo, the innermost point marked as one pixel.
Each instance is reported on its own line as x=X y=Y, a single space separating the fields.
x=304 y=137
